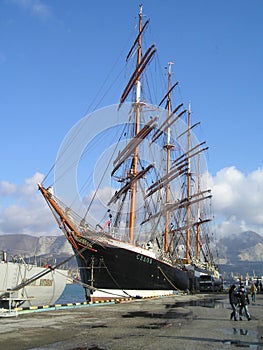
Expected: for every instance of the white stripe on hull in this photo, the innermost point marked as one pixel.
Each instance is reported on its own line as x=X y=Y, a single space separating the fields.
x=115 y=294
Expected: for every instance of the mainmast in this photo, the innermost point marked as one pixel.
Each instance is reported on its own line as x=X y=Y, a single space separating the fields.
x=134 y=167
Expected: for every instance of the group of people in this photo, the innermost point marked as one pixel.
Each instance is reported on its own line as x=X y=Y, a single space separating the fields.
x=239 y=301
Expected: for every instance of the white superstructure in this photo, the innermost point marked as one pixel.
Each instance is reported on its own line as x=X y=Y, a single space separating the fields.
x=43 y=291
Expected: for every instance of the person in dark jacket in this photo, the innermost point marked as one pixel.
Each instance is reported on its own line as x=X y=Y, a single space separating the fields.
x=233 y=300
x=243 y=300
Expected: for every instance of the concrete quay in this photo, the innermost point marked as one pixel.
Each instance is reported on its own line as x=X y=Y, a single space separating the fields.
x=178 y=322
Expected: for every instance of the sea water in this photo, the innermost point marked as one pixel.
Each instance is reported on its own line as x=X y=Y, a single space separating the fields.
x=73 y=293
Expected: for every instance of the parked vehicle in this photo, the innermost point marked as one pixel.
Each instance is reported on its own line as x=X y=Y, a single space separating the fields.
x=208 y=283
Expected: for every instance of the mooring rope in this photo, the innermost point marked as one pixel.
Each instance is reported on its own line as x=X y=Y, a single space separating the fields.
x=115 y=280
x=171 y=283
x=83 y=284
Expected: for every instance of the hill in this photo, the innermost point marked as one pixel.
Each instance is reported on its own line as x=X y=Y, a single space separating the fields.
x=49 y=249
x=241 y=253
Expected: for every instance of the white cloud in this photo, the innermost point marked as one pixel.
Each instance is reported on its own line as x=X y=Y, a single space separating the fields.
x=6 y=188
x=238 y=200
x=237 y=204
x=30 y=184
x=28 y=212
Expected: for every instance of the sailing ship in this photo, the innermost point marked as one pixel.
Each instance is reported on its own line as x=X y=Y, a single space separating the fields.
x=144 y=157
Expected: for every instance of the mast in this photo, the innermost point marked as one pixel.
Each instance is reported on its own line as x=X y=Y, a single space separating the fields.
x=198 y=228
x=188 y=208
x=136 y=131
x=168 y=161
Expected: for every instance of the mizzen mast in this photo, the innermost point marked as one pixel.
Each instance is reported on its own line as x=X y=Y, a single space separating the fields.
x=198 y=227
x=188 y=208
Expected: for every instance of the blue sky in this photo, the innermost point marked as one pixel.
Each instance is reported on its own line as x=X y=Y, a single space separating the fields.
x=55 y=55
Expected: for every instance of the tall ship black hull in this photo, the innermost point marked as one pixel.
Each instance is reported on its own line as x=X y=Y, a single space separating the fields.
x=111 y=272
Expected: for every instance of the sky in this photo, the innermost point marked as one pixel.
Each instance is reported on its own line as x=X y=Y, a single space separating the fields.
x=55 y=55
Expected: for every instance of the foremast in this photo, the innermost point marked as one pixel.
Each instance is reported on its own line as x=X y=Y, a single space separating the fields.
x=134 y=166
x=138 y=134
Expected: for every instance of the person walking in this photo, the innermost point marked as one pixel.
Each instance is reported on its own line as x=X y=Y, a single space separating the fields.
x=253 y=291
x=233 y=300
x=243 y=300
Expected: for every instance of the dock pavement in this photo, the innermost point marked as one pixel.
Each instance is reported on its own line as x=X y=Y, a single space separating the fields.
x=181 y=322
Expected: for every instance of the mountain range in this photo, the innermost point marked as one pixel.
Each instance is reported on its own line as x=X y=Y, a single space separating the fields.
x=239 y=254
x=45 y=249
